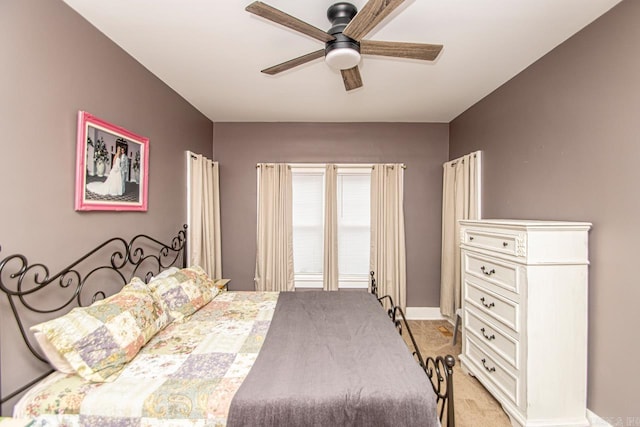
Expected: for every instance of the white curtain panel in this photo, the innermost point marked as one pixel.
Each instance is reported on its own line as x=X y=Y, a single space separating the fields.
x=274 y=240
x=204 y=215
x=330 y=277
x=460 y=200
x=388 y=257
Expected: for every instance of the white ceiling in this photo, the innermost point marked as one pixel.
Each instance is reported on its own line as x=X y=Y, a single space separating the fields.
x=211 y=52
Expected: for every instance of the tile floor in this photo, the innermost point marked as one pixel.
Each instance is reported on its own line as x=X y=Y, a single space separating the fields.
x=474 y=406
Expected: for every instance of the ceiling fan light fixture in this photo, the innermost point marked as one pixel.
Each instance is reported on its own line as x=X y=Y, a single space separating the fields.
x=342 y=58
x=343 y=41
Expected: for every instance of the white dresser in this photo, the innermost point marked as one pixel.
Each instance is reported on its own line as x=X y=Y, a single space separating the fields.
x=524 y=292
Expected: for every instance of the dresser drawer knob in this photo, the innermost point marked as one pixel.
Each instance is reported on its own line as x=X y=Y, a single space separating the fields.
x=484 y=363
x=470 y=238
x=488 y=273
x=505 y=244
x=490 y=305
x=488 y=337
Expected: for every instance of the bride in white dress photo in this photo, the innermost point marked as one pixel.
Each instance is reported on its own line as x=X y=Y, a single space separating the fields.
x=113 y=185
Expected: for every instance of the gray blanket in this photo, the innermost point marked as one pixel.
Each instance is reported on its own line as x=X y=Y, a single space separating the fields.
x=333 y=359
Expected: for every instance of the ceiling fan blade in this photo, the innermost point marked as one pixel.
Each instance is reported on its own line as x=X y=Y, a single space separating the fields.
x=351 y=78
x=369 y=16
x=424 y=51
x=279 y=17
x=294 y=62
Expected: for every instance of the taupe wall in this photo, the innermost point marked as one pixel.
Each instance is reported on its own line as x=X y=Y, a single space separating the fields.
x=55 y=63
x=423 y=147
x=562 y=141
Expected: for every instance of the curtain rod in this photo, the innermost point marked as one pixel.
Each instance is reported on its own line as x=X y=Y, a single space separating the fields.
x=340 y=165
x=461 y=159
x=193 y=156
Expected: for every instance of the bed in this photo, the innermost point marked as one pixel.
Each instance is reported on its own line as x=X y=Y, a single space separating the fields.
x=175 y=350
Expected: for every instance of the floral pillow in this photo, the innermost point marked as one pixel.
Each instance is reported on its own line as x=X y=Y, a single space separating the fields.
x=97 y=341
x=184 y=292
x=56 y=360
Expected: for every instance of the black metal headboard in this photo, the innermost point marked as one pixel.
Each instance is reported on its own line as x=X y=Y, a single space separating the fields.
x=115 y=261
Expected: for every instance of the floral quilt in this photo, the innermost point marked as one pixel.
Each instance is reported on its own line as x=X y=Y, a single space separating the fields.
x=186 y=375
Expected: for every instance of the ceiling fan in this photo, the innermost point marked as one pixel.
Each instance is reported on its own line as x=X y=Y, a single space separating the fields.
x=343 y=41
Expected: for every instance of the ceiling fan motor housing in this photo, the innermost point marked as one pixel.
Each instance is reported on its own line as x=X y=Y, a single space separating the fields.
x=340 y=14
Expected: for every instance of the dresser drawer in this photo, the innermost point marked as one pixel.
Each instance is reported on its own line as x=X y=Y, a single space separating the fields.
x=487 y=367
x=509 y=243
x=492 y=336
x=504 y=274
x=492 y=304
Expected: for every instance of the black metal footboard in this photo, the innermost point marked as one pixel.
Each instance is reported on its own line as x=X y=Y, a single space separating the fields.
x=30 y=288
x=439 y=369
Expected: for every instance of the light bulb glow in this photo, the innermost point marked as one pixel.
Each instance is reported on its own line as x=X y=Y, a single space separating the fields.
x=342 y=58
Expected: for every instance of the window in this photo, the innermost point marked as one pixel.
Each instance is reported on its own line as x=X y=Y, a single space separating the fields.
x=308 y=226
x=354 y=225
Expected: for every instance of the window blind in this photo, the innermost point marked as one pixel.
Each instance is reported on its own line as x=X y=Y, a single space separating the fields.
x=308 y=222
x=354 y=225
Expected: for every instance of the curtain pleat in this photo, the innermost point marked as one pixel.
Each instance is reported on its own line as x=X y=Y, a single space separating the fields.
x=204 y=222
x=388 y=252
x=460 y=190
x=330 y=276
x=274 y=240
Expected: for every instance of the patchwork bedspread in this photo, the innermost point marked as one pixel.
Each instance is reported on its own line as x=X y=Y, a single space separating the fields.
x=186 y=375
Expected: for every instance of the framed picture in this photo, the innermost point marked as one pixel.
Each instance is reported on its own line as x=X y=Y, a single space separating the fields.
x=112 y=167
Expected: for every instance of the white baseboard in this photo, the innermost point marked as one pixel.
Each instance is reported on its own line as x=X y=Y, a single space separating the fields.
x=596 y=421
x=424 y=313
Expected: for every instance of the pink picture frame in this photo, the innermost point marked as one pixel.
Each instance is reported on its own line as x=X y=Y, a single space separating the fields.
x=112 y=167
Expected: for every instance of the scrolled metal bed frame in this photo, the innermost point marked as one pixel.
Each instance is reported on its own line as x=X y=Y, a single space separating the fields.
x=439 y=369
x=145 y=256
x=142 y=256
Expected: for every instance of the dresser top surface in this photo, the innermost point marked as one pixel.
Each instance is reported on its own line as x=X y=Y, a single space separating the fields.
x=529 y=224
